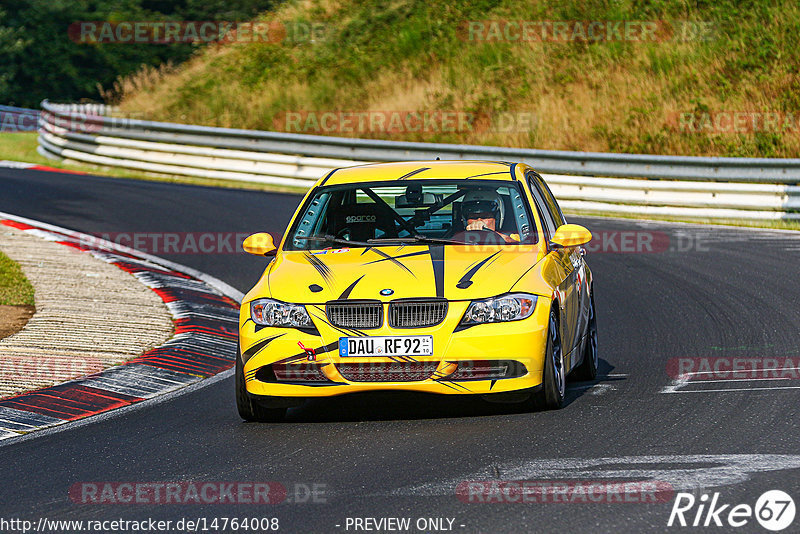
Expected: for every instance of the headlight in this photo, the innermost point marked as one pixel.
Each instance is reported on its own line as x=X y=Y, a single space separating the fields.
x=513 y=307
x=268 y=312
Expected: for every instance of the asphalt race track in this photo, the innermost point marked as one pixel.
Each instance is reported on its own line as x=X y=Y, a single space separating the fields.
x=715 y=294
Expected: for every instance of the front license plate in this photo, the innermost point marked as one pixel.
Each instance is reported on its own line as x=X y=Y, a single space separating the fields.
x=386 y=346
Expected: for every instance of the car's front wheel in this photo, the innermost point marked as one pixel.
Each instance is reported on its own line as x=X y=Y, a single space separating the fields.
x=550 y=396
x=249 y=409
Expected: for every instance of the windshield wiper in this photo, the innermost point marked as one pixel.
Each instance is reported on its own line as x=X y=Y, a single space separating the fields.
x=381 y=240
x=331 y=239
x=415 y=239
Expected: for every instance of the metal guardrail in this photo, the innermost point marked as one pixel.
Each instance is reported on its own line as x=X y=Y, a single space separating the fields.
x=750 y=188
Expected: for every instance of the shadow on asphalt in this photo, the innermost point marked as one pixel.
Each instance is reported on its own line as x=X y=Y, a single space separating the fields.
x=391 y=405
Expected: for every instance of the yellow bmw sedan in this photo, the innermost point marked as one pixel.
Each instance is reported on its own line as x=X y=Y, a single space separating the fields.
x=449 y=277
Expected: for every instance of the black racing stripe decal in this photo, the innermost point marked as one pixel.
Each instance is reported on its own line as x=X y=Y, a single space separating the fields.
x=466 y=280
x=462 y=386
x=387 y=257
x=311 y=330
x=292 y=360
x=400 y=257
x=345 y=331
x=346 y=293
x=461 y=327
x=526 y=272
x=492 y=384
x=412 y=173
x=249 y=353
x=485 y=174
x=451 y=385
x=410 y=254
x=305 y=329
x=320 y=266
x=326 y=178
x=319 y=350
x=437 y=259
x=303 y=356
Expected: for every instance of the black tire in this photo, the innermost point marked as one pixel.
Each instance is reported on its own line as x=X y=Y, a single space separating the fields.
x=550 y=396
x=249 y=409
x=587 y=370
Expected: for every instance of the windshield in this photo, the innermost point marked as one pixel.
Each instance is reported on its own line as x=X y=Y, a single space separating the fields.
x=440 y=211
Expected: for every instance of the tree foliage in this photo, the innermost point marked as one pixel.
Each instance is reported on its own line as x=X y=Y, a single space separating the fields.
x=39 y=60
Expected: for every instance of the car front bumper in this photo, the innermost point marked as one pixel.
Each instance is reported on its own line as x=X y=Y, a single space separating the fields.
x=275 y=364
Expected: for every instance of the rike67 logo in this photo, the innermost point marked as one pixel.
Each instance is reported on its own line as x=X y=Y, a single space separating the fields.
x=774 y=510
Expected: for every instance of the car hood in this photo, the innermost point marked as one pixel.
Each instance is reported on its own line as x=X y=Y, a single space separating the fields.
x=387 y=273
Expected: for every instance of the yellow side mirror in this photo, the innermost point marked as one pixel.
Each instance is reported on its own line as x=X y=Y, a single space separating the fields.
x=570 y=235
x=260 y=244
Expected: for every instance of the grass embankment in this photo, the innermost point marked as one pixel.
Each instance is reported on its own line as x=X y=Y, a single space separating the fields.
x=16 y=297
x=15 y=290
x=615 y=95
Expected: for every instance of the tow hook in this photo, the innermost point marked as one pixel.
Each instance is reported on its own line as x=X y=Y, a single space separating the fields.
x=311 y=354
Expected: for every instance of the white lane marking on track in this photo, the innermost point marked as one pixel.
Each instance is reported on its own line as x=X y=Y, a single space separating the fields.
x=732 y=389
x=679 y=383
x=676 y=384
x=775 y=370
x=725 y=469
x=737 y=380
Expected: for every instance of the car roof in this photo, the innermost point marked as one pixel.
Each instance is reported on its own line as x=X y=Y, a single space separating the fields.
x=422 y=170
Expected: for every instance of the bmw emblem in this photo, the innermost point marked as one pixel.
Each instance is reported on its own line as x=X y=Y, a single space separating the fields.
x=387 y=292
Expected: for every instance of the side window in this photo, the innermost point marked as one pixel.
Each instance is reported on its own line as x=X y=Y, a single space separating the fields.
x=552 y=205
x=311 y=221
x=541 y=207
